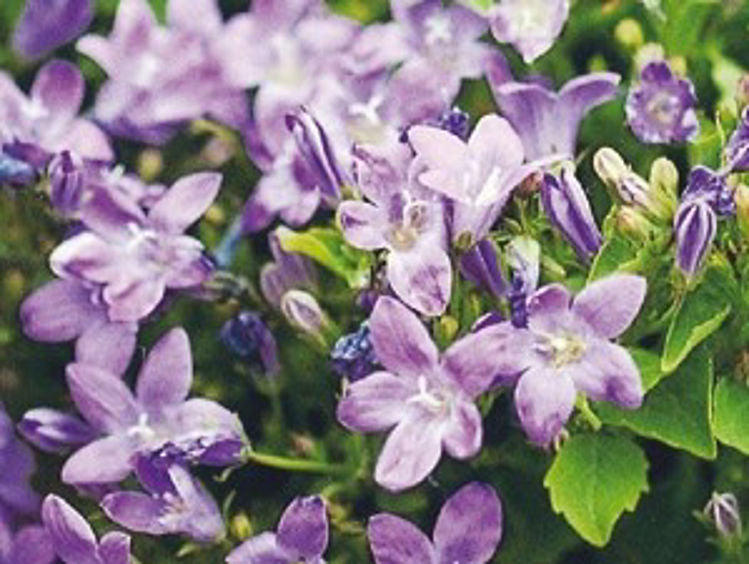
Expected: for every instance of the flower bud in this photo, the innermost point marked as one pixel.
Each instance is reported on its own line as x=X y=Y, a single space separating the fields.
x=66 y=182
x=15 y=172
x=524 y=257
x=250 y=339
x=481 y=266
x=723 y=512
x=54 y=431
x=629 y=33
x=664 y=184
x=632 y=223
x=303 y=312
x=353 y=355
x=695 y=225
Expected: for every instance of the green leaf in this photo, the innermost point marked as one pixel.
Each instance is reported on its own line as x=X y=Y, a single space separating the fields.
x=614 y=254
x=701 y=312
x=731 y=419
x=677 y=412
x=593 y=480
x=327 y=247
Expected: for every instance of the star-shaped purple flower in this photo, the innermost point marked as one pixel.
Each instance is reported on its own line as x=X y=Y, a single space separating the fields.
x=661 y=107
x=135 y=256
x=566 y=349
x=468 y=530
x=301 y=536
x=426 y=398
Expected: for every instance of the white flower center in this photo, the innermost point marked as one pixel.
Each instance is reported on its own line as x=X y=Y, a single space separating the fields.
x=561 y=349
x=141 y=430
x=435 y=402
x=438 y=30
x=663 y=107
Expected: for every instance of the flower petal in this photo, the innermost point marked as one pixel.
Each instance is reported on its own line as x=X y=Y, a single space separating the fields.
x=260 y=549
x=396 y=541
x=303 y=529
x=135 y=511
x=185 y=202
x=401 y=342
x=469 y=526
x=109 y=346
x=544 y=399
x=363 y=225
x=374 y=403
x=611 y=304
x=608 y=373
x=421 y=277
x=72 y=537
x=166 y=375
x=114 y=548
x=411 y=451
x=58 y=88
x=531 y=109
x=104 y=461
x=101 y=397
x=463 y=432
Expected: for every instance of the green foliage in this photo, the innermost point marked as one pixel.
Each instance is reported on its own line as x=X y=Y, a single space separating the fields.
x=731 y=414
x=678 y=410
x=593 y=480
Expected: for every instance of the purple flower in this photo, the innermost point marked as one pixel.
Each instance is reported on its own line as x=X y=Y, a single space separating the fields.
x=566 y=349
x=531 y=26
x=66 y=310
x=301 y=536
x=737 y=149
x=661 y=108
x=704 y=183
x=426 y=398
x=567 y=207
x=547 y=121
x=157 y=416
x=16 y=172
x=16 y=467
x=74 y=540
x=468 y=530
x=249 y=338
x=478 y=175
x=135 y=257
x=29 y=545
x=353 y=355
x=54 y=431
x=175 y=503
x=406 y=222
x=160 y=77
x=33 y=128
x=288 y=271
x=695 y=225
x=45 y=25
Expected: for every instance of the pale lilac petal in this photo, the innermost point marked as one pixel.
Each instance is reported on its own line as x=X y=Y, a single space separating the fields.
x=132 y=300
x=185 y=202
x=86 y=139
x=579 y=96
x=421 y=277
x=364 y=226
x=166 y=375
x=45 y=25
x=59 y=311
x=107 y=345
x=85 y=256
x=303 y=528
x=200 y=16
x=611 y=304
x=396 y=541
x=375 y=403
x=112 y=214
x=547 y=307
x=32 y=545
x=608 y=373
x=463 y=431
x=469 y=526
x=501 y=347
x=201 y=518
x=72 y=537
x=544 y=399
x=58 y=88
x=401 y=342
x=411 y=451
x=260 y=549
x=52 y=430
x=104 y=461
x=446 y=157
x=114 y=548
x=135 y=511
x=494 y=142
x=532 y=111
x=101 y=397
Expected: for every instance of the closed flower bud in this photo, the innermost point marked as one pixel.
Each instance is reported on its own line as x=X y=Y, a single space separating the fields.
x=481 y=266
x=302 y=311
x=248 y=337
x=664 y=183
x=631 y=222
x=66 y=182
x=353 y=355
x=695 y=225
x=629 y=33
x=723 y=512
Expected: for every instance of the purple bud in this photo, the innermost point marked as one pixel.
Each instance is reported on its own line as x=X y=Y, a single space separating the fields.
x=567 y=207
x=353 y=355
x=711 y=186
x=737 y=149
x=518 y=298
x=480 y=265
x=723 y=511
x=303 y=312
x=67 y=180
x=249 y=338
x=53 y=431
x=694 y=226
x=15 y=172
x=314 y=146
x=456 y=121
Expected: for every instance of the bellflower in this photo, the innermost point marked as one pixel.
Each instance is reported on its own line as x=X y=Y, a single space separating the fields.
x=410 y=226
x=566 y=349
x=301 y=536
x=162 y=76
x=468 y=530
x=478 y=175
x=661 y=107
x=74 y=541
x=46 y=25
x=175 y=503
x=531 y=26
x=427 y=399
x=157 y=419
x=34 y=128
x=567 y=207
x=67 y=310
x=135 y=256
x=548 y=121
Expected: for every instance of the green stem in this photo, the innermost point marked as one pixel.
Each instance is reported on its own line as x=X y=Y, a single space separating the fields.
x=296 y=464
x=587 y=413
